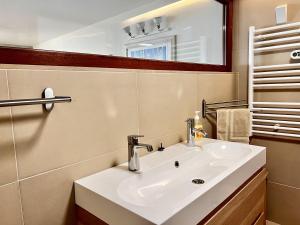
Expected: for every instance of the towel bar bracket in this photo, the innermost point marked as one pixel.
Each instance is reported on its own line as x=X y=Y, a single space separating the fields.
x=48 y=93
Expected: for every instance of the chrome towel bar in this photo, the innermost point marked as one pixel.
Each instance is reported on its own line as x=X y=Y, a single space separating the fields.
x=47 y=100
x=210 y=108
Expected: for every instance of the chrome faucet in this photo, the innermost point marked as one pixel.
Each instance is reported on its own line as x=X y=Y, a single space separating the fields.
x=191 y=132
x=133 y=157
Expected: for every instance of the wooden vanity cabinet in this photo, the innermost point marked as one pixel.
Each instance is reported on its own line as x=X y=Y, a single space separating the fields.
x=246 y=206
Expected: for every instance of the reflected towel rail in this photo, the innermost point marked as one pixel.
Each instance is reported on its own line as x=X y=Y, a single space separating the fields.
x=47 y=100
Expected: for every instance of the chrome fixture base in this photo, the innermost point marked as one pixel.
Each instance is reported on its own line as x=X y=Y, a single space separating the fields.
x=191 y=132
x=133 y=146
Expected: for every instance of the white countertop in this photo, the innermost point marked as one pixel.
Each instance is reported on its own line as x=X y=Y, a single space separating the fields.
x=164 y=194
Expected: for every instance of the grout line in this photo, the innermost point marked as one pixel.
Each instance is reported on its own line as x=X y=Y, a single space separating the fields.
x=69 y=165
x=83 y=161
x=138 y=99
x=269 y=222
x=284 y=185
x=7 y=184
x=238 y=80
x=198 y=99
x=101 y=69
x=12 y=126
x=21 y=203
x=14 y=146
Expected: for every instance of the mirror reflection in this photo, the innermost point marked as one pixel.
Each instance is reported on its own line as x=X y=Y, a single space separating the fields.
x=173 y=30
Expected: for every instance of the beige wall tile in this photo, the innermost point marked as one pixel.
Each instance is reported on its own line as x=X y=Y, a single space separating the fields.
x=216 y=88
x=261 y=14
x=240 y=65
x=103 y=112
x=10 y=207
x=283 y=204
x=271 y=58
x=277 y=95
x=165 y=140
x=166 y=100
x=49 y=199
x=8 y=171
x=236 y=16
x=283 y=160
x=81 y=138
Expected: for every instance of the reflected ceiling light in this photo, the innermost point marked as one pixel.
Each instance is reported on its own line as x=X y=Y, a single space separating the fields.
x=141 y=26
x=146 y=44
x=157 y=21
x=164 y=10
x=127 y=31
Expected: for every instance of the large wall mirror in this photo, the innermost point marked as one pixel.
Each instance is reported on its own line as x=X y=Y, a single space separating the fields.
x=182 y=33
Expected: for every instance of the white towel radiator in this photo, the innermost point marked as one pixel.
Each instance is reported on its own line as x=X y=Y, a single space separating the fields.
x=280 y=119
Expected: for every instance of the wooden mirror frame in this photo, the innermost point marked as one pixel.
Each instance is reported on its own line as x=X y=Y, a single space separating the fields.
x=25 y=56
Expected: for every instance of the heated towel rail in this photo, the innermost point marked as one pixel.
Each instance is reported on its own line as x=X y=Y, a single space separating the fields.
x=274 y=118
x=211 y=108
x=47 y=100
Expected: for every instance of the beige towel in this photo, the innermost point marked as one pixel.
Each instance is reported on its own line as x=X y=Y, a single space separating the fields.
x=233 y=125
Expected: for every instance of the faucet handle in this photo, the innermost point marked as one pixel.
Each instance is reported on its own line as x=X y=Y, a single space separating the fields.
x=190 y=120
x=133 y=138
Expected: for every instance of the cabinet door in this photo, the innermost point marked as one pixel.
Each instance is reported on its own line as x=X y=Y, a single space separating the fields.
x=261 y=220
x=246 y=206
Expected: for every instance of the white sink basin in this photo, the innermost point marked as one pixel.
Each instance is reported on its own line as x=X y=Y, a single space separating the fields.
x=164 y=194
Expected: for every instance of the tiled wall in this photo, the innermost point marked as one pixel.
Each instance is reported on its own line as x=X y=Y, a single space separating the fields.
x=283 y=155
x=41 y=154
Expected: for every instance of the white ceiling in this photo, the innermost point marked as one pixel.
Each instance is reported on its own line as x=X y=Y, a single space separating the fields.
x=28 y=22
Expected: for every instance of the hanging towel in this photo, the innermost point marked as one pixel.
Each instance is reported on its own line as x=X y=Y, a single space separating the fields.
x=233 y=125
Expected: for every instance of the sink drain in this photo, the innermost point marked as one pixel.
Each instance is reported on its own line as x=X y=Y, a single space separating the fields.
x=198 y=181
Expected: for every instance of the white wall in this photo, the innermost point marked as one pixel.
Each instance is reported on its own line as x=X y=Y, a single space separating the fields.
x=198 y=29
